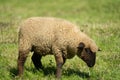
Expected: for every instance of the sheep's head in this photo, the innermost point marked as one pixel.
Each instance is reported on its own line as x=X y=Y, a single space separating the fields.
x=87 y=54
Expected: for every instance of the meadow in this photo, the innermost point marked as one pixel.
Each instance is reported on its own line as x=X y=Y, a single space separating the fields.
x=100 y=19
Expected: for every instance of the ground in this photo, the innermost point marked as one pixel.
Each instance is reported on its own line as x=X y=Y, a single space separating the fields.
x=100 y=19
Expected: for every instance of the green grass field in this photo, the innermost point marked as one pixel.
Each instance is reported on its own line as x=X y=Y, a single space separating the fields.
x=100 y=19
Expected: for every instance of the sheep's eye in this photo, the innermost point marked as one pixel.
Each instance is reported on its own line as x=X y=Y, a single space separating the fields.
x=88 y=50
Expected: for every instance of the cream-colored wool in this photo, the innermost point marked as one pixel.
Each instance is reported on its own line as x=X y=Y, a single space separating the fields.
x=47 y=35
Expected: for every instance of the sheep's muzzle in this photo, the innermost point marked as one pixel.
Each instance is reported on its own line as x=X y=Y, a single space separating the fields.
x=91 y=61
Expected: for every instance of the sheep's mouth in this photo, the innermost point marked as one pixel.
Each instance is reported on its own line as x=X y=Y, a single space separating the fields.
x=89 y=64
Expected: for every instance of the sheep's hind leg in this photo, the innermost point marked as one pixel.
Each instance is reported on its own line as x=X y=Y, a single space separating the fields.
x=21 y=60
x=36 y=58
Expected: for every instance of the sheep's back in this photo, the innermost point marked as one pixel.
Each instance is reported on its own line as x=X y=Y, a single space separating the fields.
x=45 y=32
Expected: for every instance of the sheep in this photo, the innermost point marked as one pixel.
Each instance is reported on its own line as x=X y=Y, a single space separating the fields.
x=55 y=36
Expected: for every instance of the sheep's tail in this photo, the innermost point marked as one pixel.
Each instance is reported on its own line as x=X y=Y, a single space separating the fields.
x=24 y=42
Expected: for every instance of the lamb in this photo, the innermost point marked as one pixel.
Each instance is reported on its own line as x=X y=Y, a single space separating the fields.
x=58 y=37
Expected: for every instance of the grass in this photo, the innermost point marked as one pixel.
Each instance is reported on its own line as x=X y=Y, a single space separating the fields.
x=99 y=19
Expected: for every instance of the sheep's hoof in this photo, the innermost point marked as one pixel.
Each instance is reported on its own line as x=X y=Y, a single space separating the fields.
x=18 y=77
x=40 y=68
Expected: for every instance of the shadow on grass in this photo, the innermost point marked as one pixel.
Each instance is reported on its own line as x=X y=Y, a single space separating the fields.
x=51 y=70
x=68 y=72
x=13 y=72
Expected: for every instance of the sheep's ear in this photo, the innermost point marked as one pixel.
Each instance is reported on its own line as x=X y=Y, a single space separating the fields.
x=81 y=46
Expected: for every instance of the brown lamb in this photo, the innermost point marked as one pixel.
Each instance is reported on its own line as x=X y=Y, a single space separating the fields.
x=61 y=38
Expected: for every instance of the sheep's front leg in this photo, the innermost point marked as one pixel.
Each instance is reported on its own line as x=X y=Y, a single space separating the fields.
x=59 y=63
x=21 y=60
